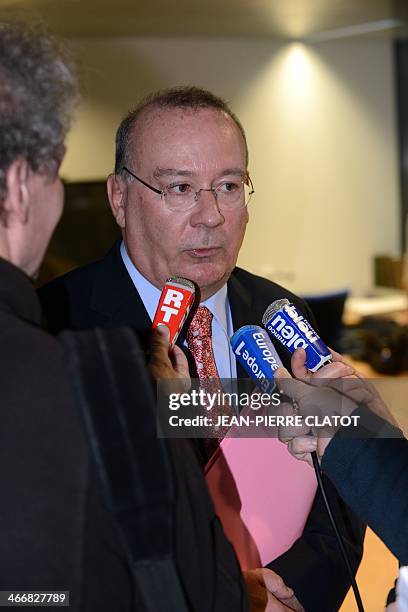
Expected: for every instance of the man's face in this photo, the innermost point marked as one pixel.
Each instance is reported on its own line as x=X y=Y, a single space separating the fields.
x=175 y=146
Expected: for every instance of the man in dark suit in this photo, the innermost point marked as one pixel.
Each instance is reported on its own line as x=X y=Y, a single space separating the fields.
x=179 y=194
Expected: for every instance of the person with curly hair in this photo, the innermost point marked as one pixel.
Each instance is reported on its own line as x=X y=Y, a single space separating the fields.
x=56 y=534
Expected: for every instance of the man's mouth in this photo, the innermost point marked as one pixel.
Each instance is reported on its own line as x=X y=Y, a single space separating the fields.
x=205 y=252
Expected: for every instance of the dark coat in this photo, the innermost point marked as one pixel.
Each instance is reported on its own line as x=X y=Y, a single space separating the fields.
x=371 y=471
x=51 y=511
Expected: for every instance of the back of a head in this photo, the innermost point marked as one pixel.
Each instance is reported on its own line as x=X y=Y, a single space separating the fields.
x=37 y=96
x=184 y=98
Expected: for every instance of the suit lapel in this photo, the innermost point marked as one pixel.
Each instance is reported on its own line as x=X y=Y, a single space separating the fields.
x=115 y=299
x=241 y=305
x=247 y=309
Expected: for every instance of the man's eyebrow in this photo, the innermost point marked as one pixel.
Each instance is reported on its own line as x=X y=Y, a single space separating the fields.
x=171 y=172
x=235 y=171
x=159 y=172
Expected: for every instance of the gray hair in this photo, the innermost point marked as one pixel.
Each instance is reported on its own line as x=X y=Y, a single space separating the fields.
x=188 y=97
x=38 y=93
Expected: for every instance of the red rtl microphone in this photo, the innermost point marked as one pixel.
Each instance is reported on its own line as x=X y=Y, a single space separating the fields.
x=174 y=305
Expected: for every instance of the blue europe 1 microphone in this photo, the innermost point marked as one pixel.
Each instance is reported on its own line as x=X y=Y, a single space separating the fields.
x=254 y=350
x=285 y=323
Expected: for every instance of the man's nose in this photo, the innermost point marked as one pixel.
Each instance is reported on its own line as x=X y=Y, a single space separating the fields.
x=206 y=210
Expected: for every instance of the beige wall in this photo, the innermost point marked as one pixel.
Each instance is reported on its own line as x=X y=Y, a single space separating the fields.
x=321 y=130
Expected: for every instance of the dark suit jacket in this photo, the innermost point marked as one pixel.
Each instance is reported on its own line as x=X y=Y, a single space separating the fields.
x=372 y=473
x=55 y=531
x=102 y=294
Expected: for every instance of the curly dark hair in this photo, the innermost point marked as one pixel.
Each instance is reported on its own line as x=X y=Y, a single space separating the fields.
x=189 y=97
x=37 y=97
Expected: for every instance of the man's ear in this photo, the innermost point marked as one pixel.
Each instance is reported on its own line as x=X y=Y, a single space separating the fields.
x=17 y=201
x=117 y=189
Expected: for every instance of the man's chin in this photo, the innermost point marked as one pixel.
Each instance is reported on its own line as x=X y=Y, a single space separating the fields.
x=208 y=277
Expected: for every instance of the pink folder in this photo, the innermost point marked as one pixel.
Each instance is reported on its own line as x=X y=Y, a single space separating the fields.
x=262 y=496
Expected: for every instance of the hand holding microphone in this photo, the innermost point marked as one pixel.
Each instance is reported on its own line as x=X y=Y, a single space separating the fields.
x=166 y=359
x=163 y=365
x=309 y=356
x=315 y=402
x=285 y=323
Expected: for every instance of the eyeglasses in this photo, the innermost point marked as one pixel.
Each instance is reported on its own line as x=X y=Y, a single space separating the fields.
x=181 y=196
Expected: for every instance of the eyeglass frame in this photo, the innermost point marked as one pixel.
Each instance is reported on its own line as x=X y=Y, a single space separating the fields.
x=163 y=194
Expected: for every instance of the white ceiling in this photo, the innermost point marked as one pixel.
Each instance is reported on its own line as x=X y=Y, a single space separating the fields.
x=295 y=19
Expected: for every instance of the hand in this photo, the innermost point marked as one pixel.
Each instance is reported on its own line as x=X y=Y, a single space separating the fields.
x=165 y=365
x=339 y=368
x=319 y=394
x=268 y=593
x=311 y=400
x=345 y=379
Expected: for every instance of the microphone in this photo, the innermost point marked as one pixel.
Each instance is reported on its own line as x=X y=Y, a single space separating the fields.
x=254 y=350
x=292 y=330
x=176 y=300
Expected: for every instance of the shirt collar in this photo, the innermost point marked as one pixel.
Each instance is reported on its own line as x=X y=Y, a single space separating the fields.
x=149 y=294
x=217 y=304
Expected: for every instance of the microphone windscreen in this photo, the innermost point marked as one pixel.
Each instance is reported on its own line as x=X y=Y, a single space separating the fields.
x=176 y=300
x=255 y=352
x=285 y=323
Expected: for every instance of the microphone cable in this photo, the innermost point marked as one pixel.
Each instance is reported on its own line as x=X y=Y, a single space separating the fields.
x=339 y=538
